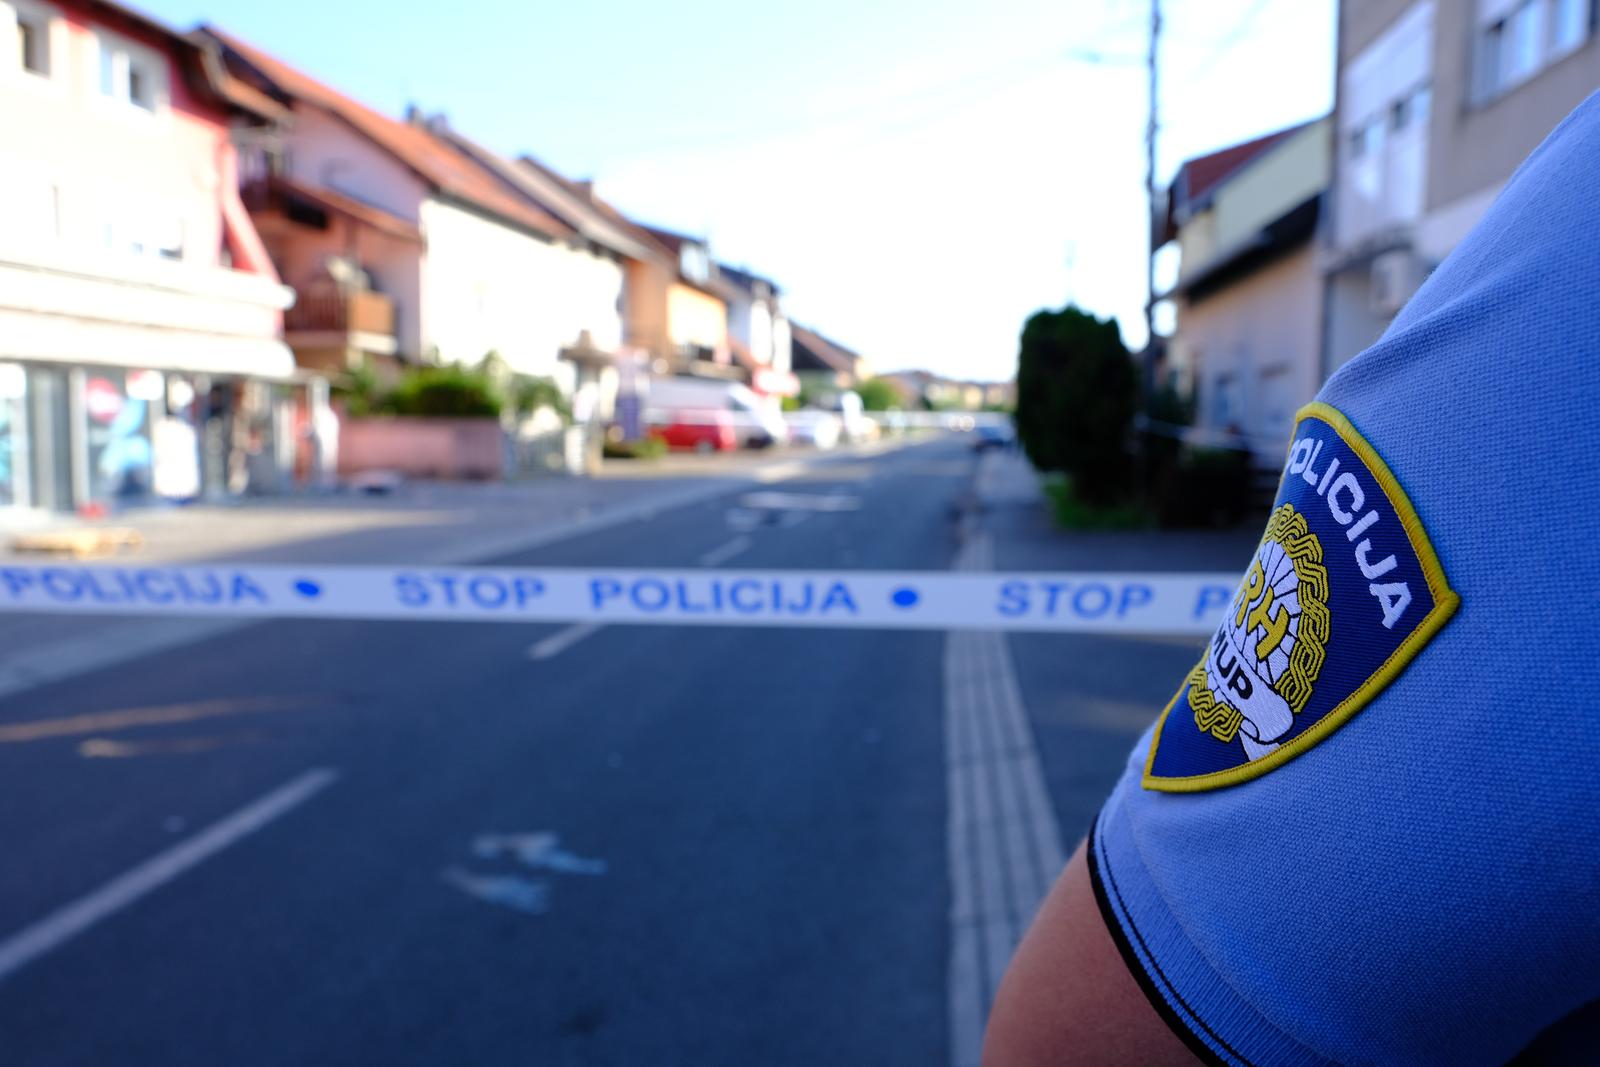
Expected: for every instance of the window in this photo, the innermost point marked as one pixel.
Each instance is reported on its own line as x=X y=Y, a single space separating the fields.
x=1490 y=46
x=143 y=231
x=1367 y=139
x=1524 y=41
x=1412 y=110
x=1571 y=25
x=139 y=88
x=33 y=36
x=1400 y=113
x=695 y=263
x=1524 y=38
x=1422 y=106
x=131 y=75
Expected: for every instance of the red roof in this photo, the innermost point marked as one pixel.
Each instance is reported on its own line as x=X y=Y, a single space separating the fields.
x=585 y=190
x=1199 y=177
x=441 y=165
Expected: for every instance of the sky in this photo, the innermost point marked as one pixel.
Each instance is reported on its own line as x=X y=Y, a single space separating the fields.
x=918 y=178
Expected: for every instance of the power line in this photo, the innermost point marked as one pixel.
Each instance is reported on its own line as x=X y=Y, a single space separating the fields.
x=1230 y=40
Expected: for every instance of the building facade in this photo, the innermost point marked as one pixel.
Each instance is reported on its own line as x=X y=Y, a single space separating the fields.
x=140 y=314
x=1248 y=292
x=758 y=334
x=1437 y=103
x=417 y=248
x=823 y=365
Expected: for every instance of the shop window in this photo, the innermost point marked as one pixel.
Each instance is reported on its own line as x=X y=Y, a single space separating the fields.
x=118 y=433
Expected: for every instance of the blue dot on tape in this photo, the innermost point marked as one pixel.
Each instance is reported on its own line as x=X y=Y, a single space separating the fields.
x=306 y=587
x=904 y=598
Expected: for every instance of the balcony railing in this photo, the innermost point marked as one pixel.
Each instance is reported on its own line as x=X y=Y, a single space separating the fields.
x=357 y=312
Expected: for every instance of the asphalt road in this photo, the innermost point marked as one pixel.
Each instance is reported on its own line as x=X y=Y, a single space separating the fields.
x=538 y=844
x=767 y=806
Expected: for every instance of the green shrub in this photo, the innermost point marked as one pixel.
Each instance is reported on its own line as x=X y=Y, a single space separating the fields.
x=1207 y=487
x=450 y=391
x=360 y=389
x=644 y=448
x=878 y=394
x=1073 y=513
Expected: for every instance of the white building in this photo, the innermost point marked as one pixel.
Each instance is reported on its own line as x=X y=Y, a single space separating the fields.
x=469 y=264
x=758 y=333
x=139 y=313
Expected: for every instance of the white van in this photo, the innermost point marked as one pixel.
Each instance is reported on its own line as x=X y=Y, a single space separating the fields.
x=671 y=400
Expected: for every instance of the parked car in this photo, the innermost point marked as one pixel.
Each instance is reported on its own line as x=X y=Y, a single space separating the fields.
x=696 y=430
x=818 y=429
x=754 y=423
x=992 y=435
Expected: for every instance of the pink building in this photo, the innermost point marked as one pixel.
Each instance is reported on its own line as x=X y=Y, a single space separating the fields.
x=140 y=316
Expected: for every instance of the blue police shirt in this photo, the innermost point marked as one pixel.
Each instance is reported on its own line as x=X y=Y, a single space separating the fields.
x=1367 y=830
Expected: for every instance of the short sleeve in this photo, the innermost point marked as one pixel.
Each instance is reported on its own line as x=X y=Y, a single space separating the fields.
x=1367 y=829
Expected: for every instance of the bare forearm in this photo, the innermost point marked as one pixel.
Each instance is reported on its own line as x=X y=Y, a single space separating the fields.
x=1068 y=998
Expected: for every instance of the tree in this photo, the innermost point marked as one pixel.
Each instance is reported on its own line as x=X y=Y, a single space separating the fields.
x=1077 y=391
x=878 y=394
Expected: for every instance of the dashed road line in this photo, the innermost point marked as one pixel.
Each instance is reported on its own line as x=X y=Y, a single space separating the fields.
x=62 y=925
x=562 y=640
x=723 y=553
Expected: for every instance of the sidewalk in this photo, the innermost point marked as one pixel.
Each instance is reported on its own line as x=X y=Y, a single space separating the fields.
x=1028 y=539
x=421 y=522
x=424 y=521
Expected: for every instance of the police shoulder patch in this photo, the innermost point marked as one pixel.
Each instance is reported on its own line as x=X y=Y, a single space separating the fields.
x=1343 y=591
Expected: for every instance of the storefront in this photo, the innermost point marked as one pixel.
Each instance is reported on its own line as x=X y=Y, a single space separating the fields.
x=107 y=437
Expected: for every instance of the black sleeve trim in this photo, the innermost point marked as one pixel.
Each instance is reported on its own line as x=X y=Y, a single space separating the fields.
x=1196 y=1044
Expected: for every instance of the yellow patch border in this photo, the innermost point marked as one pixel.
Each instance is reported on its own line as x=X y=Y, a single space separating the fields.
x=1445 y=602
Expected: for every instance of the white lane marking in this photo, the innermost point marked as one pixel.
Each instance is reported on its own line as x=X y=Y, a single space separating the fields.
x=1003 y=845
x=744 y=519
x=562 y=640
x=771 y=500
x=541 y=851
x=59 y=927
x=723 y=553
x=531 y=895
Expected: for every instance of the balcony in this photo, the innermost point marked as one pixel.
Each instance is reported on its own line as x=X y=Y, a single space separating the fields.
x=331 y=329
x=356 y=312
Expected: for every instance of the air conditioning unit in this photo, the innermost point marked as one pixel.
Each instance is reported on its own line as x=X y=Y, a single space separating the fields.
x=1395 y=276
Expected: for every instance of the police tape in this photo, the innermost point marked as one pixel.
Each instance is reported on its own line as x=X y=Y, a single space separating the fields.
x=1085 y=602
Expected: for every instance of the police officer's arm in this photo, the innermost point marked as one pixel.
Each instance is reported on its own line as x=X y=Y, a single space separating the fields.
x=1068 y=998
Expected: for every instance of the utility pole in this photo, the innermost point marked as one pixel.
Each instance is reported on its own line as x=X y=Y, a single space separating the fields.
x=1151 y=126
